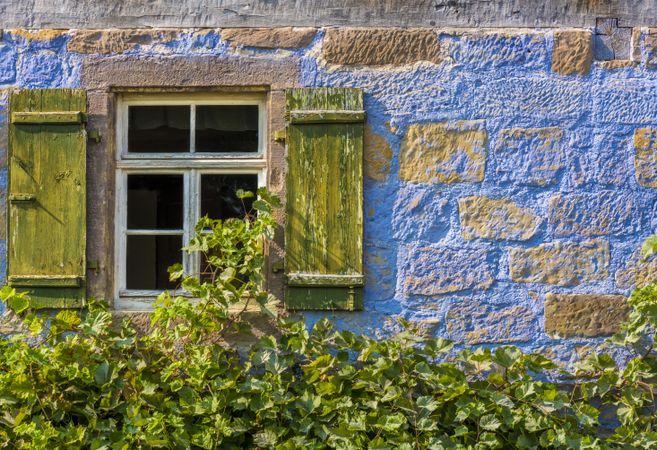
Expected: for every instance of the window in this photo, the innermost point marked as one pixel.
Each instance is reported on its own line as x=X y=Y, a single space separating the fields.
x=179 y=157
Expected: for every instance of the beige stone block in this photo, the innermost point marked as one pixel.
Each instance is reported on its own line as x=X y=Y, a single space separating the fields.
x=484 y=217
x=637 y=271
x=284 y=37
x=645 y=160
x=561 y=263
x=380 y=46
x=572 y=53
x=447 y=152
x=584 y=315
x=616 y=64
x=116 y=40
x=635 y=44
x=377 y=156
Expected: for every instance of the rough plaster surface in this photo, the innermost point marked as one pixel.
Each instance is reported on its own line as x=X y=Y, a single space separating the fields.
x=565 y=158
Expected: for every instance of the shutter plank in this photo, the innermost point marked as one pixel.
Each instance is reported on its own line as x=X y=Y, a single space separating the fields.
x=324 y=199
x=47 y=166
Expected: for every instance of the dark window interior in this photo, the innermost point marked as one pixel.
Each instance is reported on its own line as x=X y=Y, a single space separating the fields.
x=227 y=128
x=153 y=129
x=155 y=202
x=218 y=199
x=148 y=258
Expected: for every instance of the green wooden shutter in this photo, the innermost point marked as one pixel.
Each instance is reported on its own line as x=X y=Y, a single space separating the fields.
x=324 y=222
x=47 y=196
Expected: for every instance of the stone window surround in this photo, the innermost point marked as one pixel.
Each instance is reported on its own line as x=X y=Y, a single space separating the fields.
x=106 y=78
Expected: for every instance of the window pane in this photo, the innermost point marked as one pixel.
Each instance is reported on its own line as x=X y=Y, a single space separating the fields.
x=148 y=258
x=218 y=199
x=155 y=202
x=227 y=128
x=158 y=129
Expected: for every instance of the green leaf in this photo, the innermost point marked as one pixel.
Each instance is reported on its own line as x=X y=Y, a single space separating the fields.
x=102 y=374
x=489 y=422
x=649 y=247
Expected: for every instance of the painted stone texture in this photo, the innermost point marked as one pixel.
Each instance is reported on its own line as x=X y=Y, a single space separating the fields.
x=532 y=156
x=476 y=322
x=584 y=315
x=645 y=158
x=497 y=219
x=115 y=41
x=494 y=50
x=420 y=214
x=377 y=155
x=572 y=53
x=285 y=37
x=560 y=263
x=597 y=214
x=434 y=270
x=380 y=46
x=444 y=153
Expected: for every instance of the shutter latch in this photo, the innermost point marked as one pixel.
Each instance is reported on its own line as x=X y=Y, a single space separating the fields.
x=94 y=135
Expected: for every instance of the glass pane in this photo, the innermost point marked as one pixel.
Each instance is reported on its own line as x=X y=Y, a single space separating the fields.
x=155 y=202
x=218 y=199
x=154 y=129
x=227 y=128
x=148 y=258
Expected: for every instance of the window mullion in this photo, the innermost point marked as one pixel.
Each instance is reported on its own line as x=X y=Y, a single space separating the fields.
x=192 y=129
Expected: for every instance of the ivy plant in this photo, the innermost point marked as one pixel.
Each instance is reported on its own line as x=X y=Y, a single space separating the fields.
x=80 y=380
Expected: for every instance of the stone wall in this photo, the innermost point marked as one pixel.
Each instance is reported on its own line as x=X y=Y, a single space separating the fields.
x=509 y=174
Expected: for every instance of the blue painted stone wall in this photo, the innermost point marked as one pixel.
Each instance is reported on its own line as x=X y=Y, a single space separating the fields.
x=503 y=169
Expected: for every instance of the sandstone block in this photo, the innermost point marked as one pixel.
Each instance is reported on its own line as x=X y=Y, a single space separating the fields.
x=584 y=315
x=616 y=64
x=116 y=40
x=572 y=52
x=645 y=159
x=599 y=214
x=637 y=272
x=498 y=219
x=377 y=156
x=561 y=263
x=529 y=156
x=438 y=269
x=380 y=46
x=285 y=37
x=444 y=153
x=635 y=44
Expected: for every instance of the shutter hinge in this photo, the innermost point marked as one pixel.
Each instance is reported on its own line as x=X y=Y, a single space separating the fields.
x=95 y=135
x=22 y=198
x=278 y=266
x=351 y=301
x=280 y=135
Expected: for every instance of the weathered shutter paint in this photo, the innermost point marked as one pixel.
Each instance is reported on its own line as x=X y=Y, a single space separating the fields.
x=324 y=222
x=47 y=196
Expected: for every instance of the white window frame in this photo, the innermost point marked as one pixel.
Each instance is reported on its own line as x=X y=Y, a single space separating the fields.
x=191 y=165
